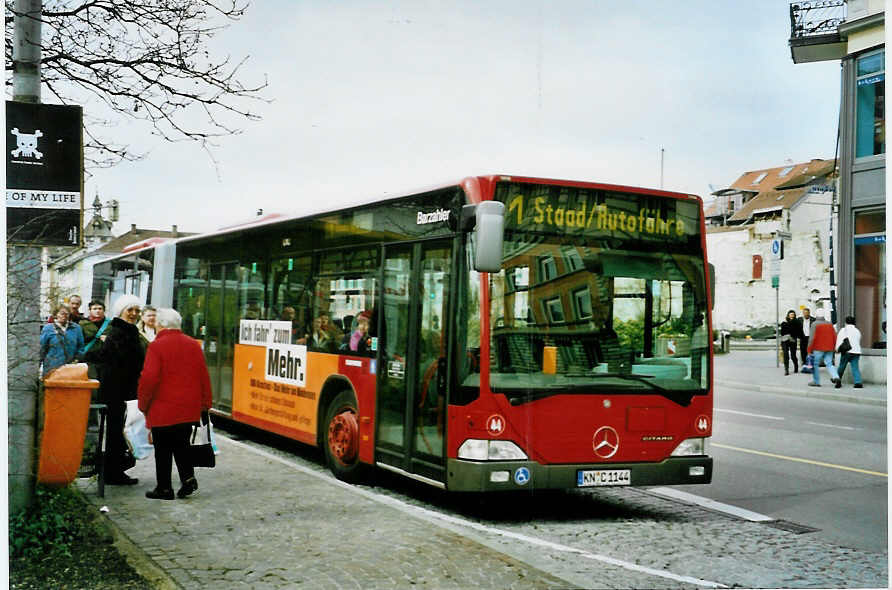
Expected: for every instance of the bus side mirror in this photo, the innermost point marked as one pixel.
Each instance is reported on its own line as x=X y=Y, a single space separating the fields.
x=488 y=236
x=711 y=286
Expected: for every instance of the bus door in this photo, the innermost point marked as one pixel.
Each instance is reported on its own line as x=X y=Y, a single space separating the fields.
x=222 y=330
x=412 y=370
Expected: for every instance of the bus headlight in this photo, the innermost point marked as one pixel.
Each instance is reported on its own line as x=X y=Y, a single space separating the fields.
x=690 y=446
x=490 y=450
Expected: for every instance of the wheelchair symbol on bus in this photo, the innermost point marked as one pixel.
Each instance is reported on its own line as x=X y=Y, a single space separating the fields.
x=522 y=476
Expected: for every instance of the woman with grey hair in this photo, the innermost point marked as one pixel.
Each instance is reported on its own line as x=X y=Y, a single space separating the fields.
x=174 y=394
x=120 y=361
x=169 y=318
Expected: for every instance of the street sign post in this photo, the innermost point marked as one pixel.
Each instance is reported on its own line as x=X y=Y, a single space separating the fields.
x=777 y=254
x=777 y=249
x=44 y=174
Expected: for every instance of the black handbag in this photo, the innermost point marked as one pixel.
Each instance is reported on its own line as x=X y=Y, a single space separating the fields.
x=201 y=451
x=844 y=346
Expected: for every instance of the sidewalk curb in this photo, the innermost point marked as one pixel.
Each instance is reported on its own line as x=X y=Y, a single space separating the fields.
x=136 y=557
x=794 y=392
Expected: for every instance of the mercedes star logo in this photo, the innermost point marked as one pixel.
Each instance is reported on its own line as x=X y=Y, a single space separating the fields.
x=605 y=442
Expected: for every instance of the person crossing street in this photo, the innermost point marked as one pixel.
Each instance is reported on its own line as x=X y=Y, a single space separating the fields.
x=822 y=342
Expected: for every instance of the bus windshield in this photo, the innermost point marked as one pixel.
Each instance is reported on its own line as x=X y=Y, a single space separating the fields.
x=598 y=307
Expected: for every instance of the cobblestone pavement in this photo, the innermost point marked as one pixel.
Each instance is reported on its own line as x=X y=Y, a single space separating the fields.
x=264 y=518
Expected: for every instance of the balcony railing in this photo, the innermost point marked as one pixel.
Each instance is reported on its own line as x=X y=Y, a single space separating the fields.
x=816 y=18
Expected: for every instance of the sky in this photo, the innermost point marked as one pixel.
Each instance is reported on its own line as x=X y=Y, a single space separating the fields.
x=376 y=99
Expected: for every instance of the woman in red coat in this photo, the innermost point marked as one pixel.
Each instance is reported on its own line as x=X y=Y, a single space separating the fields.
x=174 y=391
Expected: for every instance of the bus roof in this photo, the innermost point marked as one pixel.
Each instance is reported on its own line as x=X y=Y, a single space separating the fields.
x=471 y=184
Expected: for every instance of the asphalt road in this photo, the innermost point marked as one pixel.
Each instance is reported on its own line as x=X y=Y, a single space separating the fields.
x=817 y=463
x=592 y=538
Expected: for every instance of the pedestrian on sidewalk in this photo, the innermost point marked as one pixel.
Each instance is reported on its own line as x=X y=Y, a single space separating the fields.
x=120 y=361
x=822 y=342
x=791 y=334
x=59 y=341
x=174 y=394
x=850 y=355
x=805 y=323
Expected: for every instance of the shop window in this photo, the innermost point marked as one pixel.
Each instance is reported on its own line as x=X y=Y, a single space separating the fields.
x=870 y=110
x=870 y=277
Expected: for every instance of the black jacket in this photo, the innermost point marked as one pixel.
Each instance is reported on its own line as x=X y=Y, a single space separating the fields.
x=120 y=360
x=792 y=327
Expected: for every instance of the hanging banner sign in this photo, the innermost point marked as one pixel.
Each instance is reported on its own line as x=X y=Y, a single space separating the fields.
x=44 y=174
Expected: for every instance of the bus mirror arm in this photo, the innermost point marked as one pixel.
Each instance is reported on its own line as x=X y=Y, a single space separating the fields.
x=468 y=218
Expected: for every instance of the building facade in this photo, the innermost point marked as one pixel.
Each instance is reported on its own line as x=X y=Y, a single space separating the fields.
x=853 y=32
x=791 y=202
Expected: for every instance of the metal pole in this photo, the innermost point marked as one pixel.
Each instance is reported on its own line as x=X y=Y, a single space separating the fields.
x=777 y=326
x=23 y=288
x=833 y=213
x=26 y=51
x=662 y=156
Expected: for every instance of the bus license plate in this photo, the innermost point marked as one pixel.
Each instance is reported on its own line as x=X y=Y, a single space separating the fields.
x=604 y=477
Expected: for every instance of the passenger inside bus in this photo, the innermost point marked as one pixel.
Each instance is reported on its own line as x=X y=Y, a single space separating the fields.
x=360 y=340
x=319 y=339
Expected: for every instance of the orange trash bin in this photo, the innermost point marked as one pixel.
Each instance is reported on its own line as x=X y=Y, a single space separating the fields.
x=66 y=405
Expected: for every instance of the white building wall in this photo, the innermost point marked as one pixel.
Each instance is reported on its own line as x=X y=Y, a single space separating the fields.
x=742 y=302
x=67 y=281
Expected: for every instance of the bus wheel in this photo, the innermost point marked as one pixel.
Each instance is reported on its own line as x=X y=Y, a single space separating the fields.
x=342 y=437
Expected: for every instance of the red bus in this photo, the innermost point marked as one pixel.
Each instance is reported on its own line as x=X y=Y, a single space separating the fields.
x=501 y=333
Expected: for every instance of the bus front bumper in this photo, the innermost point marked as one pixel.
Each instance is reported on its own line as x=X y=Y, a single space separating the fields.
x=484 y=476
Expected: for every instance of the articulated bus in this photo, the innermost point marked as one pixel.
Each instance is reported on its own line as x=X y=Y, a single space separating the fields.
x=501 y=333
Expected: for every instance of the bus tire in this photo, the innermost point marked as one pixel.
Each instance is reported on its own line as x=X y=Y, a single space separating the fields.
x=341 y=438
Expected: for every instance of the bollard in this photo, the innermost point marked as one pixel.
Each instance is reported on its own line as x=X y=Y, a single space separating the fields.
x=66 y=404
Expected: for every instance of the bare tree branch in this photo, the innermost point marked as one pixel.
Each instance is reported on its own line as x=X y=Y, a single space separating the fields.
x=146 y=60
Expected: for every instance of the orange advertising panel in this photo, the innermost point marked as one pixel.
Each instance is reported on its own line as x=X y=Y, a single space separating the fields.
x=282 y=408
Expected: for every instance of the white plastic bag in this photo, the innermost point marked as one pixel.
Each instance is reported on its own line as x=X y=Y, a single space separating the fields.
x=136 y=432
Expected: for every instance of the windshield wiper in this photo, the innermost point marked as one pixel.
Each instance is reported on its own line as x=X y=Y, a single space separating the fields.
x=682 y=398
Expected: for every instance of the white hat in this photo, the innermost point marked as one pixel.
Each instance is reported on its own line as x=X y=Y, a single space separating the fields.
x=125 y=302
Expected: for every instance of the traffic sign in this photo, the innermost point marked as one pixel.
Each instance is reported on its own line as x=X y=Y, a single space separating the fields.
x=777 y=249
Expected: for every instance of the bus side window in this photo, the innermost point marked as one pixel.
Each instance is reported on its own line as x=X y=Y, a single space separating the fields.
x=290 y=287
x=349 y=300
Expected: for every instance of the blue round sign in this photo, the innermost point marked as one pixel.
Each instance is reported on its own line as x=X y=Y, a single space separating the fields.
x=521 y=476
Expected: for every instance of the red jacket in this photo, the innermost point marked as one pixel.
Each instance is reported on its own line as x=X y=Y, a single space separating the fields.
x=174 y=387
x=824 y=338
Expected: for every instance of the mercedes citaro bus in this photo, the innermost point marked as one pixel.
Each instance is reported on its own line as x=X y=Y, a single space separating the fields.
x=499 y=333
